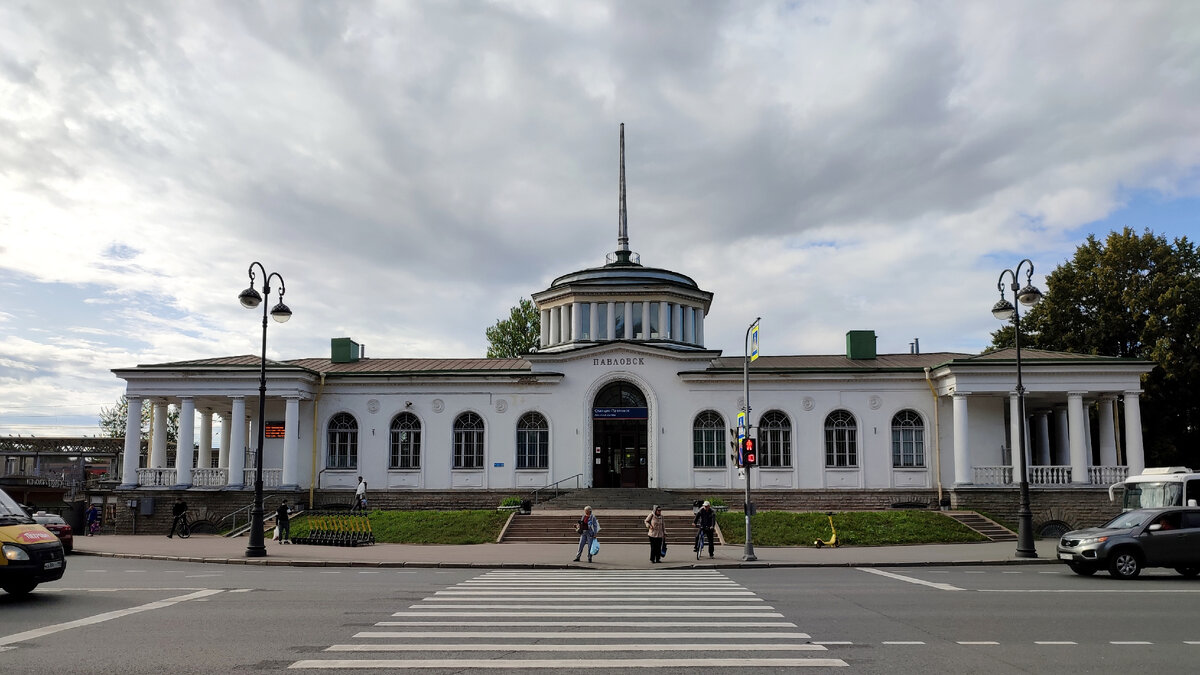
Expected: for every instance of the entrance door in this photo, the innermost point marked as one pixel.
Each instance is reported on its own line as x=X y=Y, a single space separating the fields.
x=620 y=457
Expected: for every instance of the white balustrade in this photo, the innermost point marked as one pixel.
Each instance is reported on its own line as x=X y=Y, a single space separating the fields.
x=1049 y=475
x=1107 y=475
x=272 y=478
x=156 y=477
x=210 y=478
x=992 y=475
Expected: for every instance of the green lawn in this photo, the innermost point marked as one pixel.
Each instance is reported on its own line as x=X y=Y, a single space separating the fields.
x=771 y=528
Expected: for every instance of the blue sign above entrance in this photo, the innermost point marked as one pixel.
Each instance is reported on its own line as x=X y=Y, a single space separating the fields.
x=619 y=413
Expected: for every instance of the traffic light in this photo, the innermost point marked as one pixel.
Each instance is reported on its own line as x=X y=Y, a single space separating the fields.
x=750 y=454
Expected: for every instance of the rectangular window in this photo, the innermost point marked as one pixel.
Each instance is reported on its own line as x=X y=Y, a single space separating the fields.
x=708 y=448
x=602 y=321
x=468 y=449
x=841 y=447
x=775 y=447
x=637 y=321
x=533 y=449
x=585 y=321
x=619 y=312
x=405 y=450
x=343 y=450
x=654 y=321
x=908 y=447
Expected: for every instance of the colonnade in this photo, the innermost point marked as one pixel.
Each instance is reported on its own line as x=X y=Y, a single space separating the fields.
x=236 y=438
x=1068 y=459
x=595 y=321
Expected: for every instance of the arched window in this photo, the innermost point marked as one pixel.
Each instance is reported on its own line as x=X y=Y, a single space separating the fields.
x=908 y=439
x=405 y=443
x=342 y=435
x=468 y=441
x=841 y=439
x=533 y=442
x=708 y=440
x=774 y=439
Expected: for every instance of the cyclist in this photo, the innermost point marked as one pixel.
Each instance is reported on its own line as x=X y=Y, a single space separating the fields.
x=706 y=523
x=179 y=513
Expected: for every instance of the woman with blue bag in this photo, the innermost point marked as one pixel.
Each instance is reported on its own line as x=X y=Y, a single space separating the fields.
x=587 y=527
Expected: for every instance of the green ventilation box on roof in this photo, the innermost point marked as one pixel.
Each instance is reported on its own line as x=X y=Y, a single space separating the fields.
x=344 y=350
x=860 y=344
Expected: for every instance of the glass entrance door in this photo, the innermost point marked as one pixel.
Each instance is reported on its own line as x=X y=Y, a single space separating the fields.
x=620 y=456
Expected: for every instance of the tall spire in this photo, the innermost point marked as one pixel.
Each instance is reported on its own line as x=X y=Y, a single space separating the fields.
x=622 y=222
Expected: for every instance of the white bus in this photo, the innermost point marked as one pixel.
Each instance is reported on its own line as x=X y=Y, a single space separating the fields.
x=1158 y=486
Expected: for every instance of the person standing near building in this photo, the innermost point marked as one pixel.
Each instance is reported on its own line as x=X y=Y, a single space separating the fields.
x=706 y=523
x=282 y=522
x=179 y=512
x=657 y=531
x=360 y=495
x=588 y=527
x=93 y=519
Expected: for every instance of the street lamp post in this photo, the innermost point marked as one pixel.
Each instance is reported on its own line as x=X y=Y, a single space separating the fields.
x=280 y=312
x=748 y=552
x=1005 y=310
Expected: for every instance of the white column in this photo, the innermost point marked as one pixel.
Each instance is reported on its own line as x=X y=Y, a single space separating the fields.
x=158 y=438
x=565 y=322
x=698 y=331
x=133 y=443
x=291 y=443
x=1062 y=435
x=664 y=320
x=1016 y=428
x=1043 y=429
x=1135 y=456
x=237 y=443
x=1077 y=421
x=577 y=321
x=963 y=469
x=204 y=454
x=629 y=321
x=183 y=446
x=1087 y=431
x=1108 y=433
x=545 y=327
x=611 y=319
x=555 y=330
x=223 y=448
x=594 y=321
x=646 y=320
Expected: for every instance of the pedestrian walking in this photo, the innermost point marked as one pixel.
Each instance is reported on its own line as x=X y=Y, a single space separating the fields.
x=283 y=523
x=93 y=519
x=706 y=524
x=587 y=527
x=178 y=513
x=656 y=528
x=360 y=495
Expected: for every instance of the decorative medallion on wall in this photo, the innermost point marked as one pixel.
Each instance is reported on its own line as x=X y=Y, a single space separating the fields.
x=373 y=406
x=438 y=405
x=875 y=402
x=808 y=403
x=741 y=404
x=501 y=405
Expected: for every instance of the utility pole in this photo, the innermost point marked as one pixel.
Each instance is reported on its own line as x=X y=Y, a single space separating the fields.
x=748 y=553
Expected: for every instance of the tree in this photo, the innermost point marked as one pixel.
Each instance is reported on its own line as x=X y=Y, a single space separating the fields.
x=517 y=335
x=112 y=420
x=1138 y=297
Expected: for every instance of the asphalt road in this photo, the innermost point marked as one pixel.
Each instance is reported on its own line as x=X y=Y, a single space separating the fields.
x=112 y=615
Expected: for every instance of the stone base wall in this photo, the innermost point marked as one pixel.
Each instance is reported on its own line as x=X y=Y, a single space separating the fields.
x=1074 y=507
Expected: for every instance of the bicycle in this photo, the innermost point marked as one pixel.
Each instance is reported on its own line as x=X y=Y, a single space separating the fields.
x=185 y=527
x=699 y=541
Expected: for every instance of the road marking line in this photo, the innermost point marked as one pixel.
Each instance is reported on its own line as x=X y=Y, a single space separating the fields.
x=981 y=642
x=631 y=635
x=1130 y=642
x=566 y=664
x=911 y=580
x=241 y=590
x=1191 y=642
x=723 y=608
x=757 y=615
x=684 y=593
x=100 y=618
x=1088 y=590
x=833 y=642
x=647 y=624
x=902 y=642
x=1049 y=642
x=510 y=647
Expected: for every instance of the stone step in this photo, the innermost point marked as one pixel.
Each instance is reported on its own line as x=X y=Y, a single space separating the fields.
x=614 y=529
x=984 y=526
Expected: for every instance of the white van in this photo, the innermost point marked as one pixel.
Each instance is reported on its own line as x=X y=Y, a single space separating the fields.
x=1157 y=487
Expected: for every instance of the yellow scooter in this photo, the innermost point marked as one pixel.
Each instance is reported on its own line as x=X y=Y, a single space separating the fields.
x=833 y=540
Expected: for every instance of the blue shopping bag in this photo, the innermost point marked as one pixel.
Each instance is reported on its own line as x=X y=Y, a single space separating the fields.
x=595 y=547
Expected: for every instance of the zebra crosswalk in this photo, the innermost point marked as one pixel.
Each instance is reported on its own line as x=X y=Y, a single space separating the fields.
x=572 y=619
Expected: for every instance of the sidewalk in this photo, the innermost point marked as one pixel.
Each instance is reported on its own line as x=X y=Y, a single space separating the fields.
x=232 y=551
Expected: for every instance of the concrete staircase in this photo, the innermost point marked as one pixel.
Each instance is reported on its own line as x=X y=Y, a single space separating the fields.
x=614 y=529
x=988 y=528
x=618 y=499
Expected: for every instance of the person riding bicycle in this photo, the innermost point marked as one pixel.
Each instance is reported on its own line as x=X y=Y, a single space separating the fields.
x=706 y=524
x=179 y=511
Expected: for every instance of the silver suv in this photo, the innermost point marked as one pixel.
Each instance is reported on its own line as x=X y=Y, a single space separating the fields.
x=1125 y=545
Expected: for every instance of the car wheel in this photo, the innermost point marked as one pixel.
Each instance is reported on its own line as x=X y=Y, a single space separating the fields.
x=20 y=587
x=1124 y=564
x=1082 y=570
x=1188 y=572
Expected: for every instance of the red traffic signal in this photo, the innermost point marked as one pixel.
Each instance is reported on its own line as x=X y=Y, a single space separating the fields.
x=750 y=454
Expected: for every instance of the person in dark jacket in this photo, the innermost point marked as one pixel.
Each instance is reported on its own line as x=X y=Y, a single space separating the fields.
x=282 y=522
x=179 y=512
x=706 y=521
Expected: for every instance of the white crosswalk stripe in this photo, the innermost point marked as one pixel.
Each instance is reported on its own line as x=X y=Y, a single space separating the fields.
x=688 y=619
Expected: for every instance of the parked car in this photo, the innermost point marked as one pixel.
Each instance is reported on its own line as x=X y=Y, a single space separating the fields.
x=1135 y=540
x=29 y=553
x=58 y=526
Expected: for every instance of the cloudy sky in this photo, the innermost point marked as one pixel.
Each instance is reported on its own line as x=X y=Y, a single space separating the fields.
x=413 y=169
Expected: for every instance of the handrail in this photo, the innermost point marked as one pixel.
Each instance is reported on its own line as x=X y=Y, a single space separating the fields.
x=535 y=494
x=233 y=514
